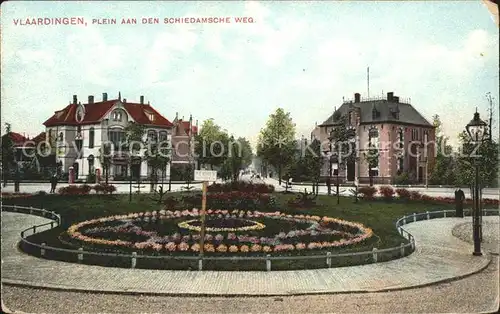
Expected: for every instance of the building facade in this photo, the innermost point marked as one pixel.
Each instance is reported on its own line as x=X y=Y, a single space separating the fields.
x=404 y=139
x=78 y=132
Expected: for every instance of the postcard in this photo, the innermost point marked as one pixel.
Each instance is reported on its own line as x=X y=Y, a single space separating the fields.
x=250 y=156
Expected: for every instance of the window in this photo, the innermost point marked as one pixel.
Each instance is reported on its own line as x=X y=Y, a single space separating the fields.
x=350 y=118
x=117 y=115
x=151 y=116
x=152 y=136
x=61 y=137
x=163 y=136
x=373 y=137
x=116 y=137
x=91 y=138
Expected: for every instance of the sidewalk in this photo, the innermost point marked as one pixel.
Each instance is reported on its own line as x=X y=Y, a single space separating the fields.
x=439 y=257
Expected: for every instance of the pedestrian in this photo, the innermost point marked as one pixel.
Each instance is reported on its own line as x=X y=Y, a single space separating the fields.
x=53 y=183
x=459 y=202
x=329 y=185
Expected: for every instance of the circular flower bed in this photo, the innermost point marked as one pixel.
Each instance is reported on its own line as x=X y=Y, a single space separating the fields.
x=228 y=232
x=222 y=225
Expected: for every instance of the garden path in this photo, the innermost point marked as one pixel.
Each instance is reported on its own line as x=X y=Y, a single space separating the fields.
x=439 y=257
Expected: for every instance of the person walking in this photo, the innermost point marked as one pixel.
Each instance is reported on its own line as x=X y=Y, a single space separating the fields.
x=329 y=185
x=53 y=183
x=459 y=203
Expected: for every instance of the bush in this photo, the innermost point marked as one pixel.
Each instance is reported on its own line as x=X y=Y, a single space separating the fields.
x=403 y=194
x=91 y=178
x=415 y=195
x=402 y=179
x=170 y=202
x=387 y=192
x=367 y=192
x=241 y=186
x=240 y=200
x=104 y=188
x=74 y=190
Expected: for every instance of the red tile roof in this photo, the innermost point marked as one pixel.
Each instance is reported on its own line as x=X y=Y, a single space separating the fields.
x=95 y=111
x=185 y=125
x=17 y=138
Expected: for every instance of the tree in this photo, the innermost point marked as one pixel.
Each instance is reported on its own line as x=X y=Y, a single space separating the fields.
x=211 y=144
x=443 y=171
x=372 y=158
x=311 y=164
x=344 y=148
x=105 y=159
x=8 y=156
x=276 y=144
x=485 y=155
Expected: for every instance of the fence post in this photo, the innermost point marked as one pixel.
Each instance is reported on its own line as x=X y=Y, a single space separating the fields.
x=31 y=210
x=51 y=224
x=375 y=254
x=42 y=250
x=428 y=216
x=200 y=264
x=329 y=259
x=403 y=220
x=444 y=213
x=15 y=208
x=80 y=255
x=402 y=249
x=412 y=241
x=268 y=262
x=34 y=229
x=414 y=217
x=134 y=260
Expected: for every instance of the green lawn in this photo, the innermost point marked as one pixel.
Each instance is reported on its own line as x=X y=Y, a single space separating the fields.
x=378 y=215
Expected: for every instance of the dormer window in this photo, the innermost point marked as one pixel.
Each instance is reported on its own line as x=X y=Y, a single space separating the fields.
x=151 y=116
x=116 y=115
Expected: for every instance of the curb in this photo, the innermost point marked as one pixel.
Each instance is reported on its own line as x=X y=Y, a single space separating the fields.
x=17 y=283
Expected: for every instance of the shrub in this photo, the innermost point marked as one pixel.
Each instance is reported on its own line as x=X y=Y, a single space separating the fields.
x=387 y=192
x=104 y=188
x=367 y=192
x=242 y=187
x=91 y=178
x=74 y=190
x=415 y=195
x=403 y=194
x=402 y=179
x=170 y=202
x=41 y=193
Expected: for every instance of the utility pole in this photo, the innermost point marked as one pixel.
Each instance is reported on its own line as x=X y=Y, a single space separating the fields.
x=490 y=109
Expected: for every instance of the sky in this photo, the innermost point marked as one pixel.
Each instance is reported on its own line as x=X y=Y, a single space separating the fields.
x=301 y=56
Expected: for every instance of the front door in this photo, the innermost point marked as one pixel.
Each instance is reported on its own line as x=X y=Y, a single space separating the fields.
x=351 y=170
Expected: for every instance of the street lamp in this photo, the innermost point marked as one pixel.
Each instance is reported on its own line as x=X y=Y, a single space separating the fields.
x=477 y=131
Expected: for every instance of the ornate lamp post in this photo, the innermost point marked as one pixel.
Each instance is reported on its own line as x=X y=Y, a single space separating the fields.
x=477 y=131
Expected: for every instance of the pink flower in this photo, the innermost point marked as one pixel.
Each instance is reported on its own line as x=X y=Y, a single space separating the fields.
x=244 y=248
x=300 y=246
x=233 y=248
x=222 y=248
x=183 y=246
x=170 y=246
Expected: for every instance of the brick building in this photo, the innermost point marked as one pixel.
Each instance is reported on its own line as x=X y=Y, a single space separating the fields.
x=403 y=137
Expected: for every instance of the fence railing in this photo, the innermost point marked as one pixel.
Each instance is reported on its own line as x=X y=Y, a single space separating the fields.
x=375 y=255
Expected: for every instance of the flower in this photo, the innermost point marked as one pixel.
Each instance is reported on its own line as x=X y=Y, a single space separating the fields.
x=195 y=247
x=170 y=246
x=233 y=248
x=266 y=248
x=244 y=248
x=219 y=237
x=183 y=246
x=300 y=246
x=256 y=248
x=221 y=248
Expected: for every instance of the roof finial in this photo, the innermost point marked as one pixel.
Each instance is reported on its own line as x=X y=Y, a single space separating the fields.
x=119 y=96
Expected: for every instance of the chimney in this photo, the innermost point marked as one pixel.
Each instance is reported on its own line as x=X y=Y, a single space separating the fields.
x=395 y=99
x=104 y=96
x=390 y=96
x=142 y=100
x=74 y=99
x=357 y=97
x=91 y=99
x=124 y=100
